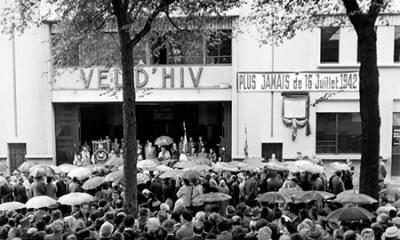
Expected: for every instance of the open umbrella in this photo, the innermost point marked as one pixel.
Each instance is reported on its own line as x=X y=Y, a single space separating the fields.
x=308 y=196
x=2 y=180
x=26 y=166
x=80 y=173
x=41 y=171
x=190 y=174
x=274 y=197
x=96 y=168
x=277 y=166
x=142 y=178
x=148 y=164
x=75 y=199
x=223 y=166
x=339 y=166
x=211 y=197
x=202 y=168
x=202 y=161
x=163 y=168
x=391 y=193
x=253 y=165
x=351 y=196
x=290 y=191
x=66 y=168
x=114 y=177
x=396 y=204
x=114 y=161
x=40 y=202
x=309 y=166
x=350 y=214
x=9 y=206
x=171 y=174
x=292 y=167
x=163 y=141
x=93 y=183
x=185 y=164
x=239 y=164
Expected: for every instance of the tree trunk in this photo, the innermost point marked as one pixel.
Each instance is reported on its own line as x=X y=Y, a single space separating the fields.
x=369 y=108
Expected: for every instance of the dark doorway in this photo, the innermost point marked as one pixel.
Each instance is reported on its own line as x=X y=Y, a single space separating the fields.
x=16 y=155
x=268 y=149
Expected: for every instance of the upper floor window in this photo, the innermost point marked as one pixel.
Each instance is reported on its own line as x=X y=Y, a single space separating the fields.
x=338 y=133
x=330 y=44
x=397 y=44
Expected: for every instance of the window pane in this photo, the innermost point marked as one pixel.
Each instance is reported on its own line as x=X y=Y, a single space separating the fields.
x=219 y=47
x=139 y=53
x=330 y=44
x=326 y=133
x=187 y=48
x=397 y=44
x=108 y=50
x=349 y=133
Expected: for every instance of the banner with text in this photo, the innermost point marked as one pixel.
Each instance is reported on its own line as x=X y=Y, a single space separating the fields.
x=297 y=81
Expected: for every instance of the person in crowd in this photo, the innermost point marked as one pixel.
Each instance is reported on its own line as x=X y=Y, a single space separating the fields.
x=20 y=191
x=221 y=149
x=192 y=154
x=115 y=145
x=6 y=191
x=185 y=193
x=74 y=186
x=38 y=187
x=174 y=151
x=212 y=155
x=201 y=143
x=77 y=159
x=85 y=154
x=203 y=153
x=61 y=184
x=164 y=154
x=181 y=145
x=150 y=150
x=382 y=171
x=51 y=188
x=336 y=183
x=192 y=143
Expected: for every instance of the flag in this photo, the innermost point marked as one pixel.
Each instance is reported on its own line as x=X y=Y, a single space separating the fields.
x=246 y=146
x=185 y=141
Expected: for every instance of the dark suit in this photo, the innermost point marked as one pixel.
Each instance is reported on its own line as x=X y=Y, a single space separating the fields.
x=20 y=193
x=61 y=188
x=6 y=193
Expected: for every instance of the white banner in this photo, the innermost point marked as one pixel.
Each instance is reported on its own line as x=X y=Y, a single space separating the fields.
x=301 y=81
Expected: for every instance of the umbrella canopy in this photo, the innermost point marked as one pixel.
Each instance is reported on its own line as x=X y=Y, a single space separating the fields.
x=26 y=166
x=80 y=173
x=290 y=191
x=42 y=171
x=163 y=168
x=351 y=196
x=391 y=193
x=211 y=197
x=189 y=174
x=292 y=167
x=308 y=196
x=9 y=206
x=253 y=165
x=223 y=166
x=277 y=166
x=350 y=214
x=185 y=164
x=66 y=168
x=148 y=164
x=142 y=178
x=274 y=197
x=163 y=141
x=171 y=174
x=396 y=204
x=75 y=198
x=239 y=164
x=202 y=161
x=309 y=166
x=96 y=168
x=2 y=180
x=115 y=177
x=114 y=161
x=93 y=183
x=339 y=166
x=202 y=168
x=40 y=202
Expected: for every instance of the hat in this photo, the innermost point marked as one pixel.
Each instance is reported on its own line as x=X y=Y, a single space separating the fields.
x=382 y=218
x=391 y=232
x=314 y=233
x=396 y=221
x=106 y=230
x=367 y=231
x=168 y=225
x=264 y=233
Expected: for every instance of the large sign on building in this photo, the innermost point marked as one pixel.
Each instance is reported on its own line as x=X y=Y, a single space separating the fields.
x=155 y=77
x=297 y=81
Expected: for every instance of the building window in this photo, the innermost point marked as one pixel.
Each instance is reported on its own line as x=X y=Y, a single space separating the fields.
x=330 y=44
x=397 y=44
x=338 y=133
x=219 y=48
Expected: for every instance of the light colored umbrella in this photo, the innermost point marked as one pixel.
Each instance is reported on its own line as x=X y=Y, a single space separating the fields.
x=148 y=164
x=290 y=191
x=185 y=164
x=56 y=169
x=277 y=166
x=9 y=206
x=211 y=197
x=202 y=168
x=309 y=166
x=253 y=165
x=163 y=168
x=292 y=167
x=66 y=168
x=114 y=161
x=189 y=174
x=223 y=166
x=80 y=173
x=40 y=202
x=75 y=198
x=171 y=174
x=391 y=193
x=239 y=164
x=163 y=141
x=114 y=177
x=202 y=161
x=96 y=167
x=41 y=171
x=2 y=180
x=274 y=197
x=26 y=166
x=339 y=166
x=308 y=196
x=350 y=214
x=93 y=183
x=142 y=178
x=351 y=196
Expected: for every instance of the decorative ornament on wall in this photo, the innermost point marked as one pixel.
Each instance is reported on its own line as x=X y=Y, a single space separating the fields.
x=295 y=111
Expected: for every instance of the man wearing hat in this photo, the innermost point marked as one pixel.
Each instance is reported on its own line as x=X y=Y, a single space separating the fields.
x=128 y=232
x=20 y=191
x=391 y=233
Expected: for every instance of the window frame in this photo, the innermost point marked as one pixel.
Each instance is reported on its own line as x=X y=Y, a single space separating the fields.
x=323 y=49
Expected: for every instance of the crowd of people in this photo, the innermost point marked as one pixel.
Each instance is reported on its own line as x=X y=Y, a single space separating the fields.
x=167 y=210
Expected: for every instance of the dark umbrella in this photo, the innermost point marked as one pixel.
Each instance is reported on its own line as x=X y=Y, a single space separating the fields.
x=274 y=197
x=350 y=214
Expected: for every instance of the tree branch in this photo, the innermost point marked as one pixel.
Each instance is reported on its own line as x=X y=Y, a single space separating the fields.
x=375 y=8
x=172 y=22
x=353 y=12
x=147 y=26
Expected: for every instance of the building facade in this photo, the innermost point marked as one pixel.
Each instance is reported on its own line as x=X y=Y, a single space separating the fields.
x=301 y=96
